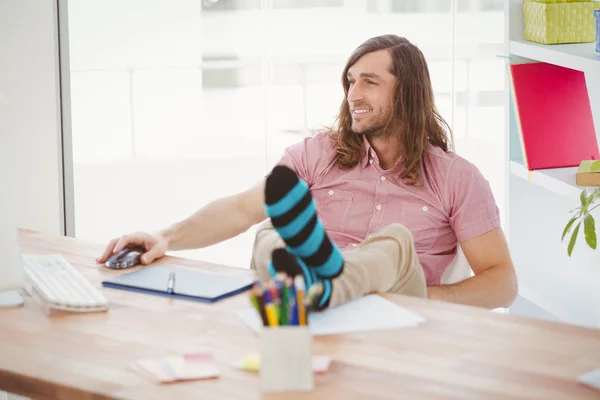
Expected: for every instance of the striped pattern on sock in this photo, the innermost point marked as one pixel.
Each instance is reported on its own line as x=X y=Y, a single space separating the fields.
x=291 y=208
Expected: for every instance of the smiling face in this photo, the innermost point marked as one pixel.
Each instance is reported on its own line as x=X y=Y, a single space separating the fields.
x=370 y=93
x=389 y=100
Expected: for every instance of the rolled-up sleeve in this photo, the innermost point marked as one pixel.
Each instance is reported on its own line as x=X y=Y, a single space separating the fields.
x=473 y=209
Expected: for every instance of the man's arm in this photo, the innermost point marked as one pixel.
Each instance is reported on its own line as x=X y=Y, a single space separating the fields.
x=494 y=283
x=219 y=220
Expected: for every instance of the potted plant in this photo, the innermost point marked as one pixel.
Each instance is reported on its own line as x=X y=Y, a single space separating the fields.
x=583 y=214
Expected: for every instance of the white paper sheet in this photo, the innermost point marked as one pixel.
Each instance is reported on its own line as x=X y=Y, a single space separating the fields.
x=591 y=378
x=368 y=313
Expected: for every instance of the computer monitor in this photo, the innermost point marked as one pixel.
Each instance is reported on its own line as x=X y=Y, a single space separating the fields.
x=12 y=276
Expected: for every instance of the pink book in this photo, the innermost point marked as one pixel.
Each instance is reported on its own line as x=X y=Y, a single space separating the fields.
x=553 y=114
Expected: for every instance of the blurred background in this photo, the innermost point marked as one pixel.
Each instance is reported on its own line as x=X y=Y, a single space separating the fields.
x=178 y=102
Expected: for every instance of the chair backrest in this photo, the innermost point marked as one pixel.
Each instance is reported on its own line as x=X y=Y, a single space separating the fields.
x=458 y=270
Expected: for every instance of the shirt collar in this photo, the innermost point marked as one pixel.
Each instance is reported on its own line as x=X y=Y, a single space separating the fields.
x=370 y=154
x=368 y=151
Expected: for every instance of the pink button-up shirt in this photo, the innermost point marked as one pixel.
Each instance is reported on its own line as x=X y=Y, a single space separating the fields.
x=454 y=204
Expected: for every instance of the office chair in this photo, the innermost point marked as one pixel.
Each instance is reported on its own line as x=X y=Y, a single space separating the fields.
x=458 y=270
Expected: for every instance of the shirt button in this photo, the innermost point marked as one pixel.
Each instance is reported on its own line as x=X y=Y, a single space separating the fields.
x=330 y=192
x=383 y=178
x=371 y=161
x=353 y=244
x=425 y=208
x=378 y=207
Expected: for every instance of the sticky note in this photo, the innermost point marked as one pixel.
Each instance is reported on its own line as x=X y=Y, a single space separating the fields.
x=251 y=362
x=177 y=368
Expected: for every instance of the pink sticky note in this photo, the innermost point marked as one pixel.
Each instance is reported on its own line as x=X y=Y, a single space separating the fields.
x=320 y=363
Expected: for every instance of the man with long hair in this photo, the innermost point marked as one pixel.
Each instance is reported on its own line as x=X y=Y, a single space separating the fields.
x=377 y=203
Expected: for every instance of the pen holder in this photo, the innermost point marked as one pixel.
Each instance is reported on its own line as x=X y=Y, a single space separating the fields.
x=286 y=359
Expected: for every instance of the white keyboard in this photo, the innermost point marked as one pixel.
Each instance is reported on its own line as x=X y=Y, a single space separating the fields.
x=60 y=285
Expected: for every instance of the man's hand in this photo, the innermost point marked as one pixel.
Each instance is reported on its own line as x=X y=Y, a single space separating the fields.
x=156 y=246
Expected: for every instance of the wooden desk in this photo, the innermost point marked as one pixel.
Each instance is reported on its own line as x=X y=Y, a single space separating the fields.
x=460 y=352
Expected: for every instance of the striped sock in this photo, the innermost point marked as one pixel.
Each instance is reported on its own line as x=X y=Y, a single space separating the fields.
x=283 y=261
x=290 y=206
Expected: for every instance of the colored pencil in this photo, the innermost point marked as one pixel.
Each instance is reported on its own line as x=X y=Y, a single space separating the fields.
x=299 y=283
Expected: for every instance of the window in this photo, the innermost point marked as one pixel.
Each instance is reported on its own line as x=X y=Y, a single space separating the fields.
x=178 y=102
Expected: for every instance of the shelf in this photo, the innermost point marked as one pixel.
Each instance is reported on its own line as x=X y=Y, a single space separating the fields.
x=579 y=56
x=557 y=180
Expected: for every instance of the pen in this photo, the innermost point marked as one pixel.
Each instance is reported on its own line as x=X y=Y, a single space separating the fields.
x=278 y=287
x=299 y=283
x=260 y=300
x=273 y=298
x=284 y=308
x=171 y=283
x=292 y=303
x=270 y=310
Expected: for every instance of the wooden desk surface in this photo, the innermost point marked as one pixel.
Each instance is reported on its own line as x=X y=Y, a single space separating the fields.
x=460 y=352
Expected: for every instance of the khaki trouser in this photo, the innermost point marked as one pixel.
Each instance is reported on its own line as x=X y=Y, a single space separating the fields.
x=384 y=262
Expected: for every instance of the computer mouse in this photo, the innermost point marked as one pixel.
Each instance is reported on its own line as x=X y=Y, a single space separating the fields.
x=128 y=257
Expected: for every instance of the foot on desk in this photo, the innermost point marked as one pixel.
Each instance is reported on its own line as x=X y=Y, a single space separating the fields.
x=289 y=264
x=291 y=208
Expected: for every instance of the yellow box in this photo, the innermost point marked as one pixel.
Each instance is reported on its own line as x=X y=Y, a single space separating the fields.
x=560 y=21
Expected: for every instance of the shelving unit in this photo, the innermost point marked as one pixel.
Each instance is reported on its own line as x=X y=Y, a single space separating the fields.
x=579 y=56
x=540 y=201
x=558 y=180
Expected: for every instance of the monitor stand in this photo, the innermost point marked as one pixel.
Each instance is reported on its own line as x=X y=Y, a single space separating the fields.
x=10 y=298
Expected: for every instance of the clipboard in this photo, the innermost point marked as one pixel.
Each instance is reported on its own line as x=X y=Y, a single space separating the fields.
x=189 y=284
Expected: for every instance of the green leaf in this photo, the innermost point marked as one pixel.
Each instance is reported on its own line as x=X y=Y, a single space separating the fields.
x=573 y=239
x=595 y=195
x=585 y=201
x=590 y=231
x=568 y=228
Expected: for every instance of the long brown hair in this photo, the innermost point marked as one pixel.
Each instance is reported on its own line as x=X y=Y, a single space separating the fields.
x=414 y=119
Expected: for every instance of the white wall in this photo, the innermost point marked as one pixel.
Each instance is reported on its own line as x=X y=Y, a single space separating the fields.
x=30 y=113
x=564 y=286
